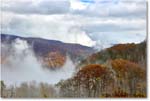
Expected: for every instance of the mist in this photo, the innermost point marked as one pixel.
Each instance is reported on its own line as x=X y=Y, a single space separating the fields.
x=21 y=65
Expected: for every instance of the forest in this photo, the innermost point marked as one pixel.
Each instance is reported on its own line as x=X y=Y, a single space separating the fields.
x=118 y=71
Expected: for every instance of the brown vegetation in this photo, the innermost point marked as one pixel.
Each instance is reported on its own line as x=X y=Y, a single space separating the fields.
x=54 y=60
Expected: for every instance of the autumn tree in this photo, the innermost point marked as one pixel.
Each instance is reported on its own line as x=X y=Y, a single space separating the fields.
x=129 y=75
x=91 y=81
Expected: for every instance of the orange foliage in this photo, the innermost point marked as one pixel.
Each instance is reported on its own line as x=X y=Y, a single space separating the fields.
x=91 y=71
x=54 y=59
x=125 y=66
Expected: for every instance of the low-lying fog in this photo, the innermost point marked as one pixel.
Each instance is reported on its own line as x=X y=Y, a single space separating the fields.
x=21 y=65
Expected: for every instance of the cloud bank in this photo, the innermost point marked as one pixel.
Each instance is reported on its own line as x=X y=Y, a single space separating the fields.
x=75 y=21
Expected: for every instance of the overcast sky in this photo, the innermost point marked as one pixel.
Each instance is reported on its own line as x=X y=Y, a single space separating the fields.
x=87 y=22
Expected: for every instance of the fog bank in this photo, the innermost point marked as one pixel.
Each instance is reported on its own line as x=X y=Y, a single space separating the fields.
x=21 y=65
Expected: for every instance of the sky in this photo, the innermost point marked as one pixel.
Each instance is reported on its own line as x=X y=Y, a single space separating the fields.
x=95 y=23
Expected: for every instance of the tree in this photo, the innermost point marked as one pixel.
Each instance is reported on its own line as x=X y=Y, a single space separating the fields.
x=129 y=74
x=3 y=86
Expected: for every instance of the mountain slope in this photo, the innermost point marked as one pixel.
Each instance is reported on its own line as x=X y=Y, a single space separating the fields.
x=132 y=52
x=51 y=49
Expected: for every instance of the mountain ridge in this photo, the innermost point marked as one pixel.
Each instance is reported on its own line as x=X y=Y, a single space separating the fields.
x=43 y=47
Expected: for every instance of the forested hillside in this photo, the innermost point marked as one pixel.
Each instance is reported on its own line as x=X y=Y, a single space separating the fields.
x=132 y=52
x=119 y=71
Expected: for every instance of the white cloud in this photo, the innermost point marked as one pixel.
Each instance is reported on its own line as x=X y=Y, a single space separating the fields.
x=36 y=6
x=77 y=5
x=105 y=40
x=73 y=21
x=49 y=27
x=111 y=8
